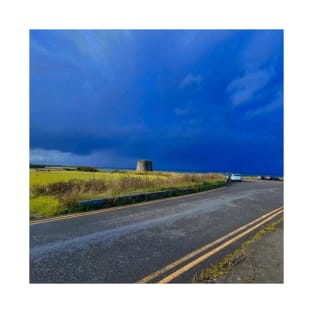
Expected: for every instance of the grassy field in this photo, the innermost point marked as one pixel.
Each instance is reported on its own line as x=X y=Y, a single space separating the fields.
x=56 y=192
x=45 y=177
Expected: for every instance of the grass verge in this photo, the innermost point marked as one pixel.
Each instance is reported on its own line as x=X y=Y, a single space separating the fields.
x=225 y=266
x=59 y=192
x=43 y=206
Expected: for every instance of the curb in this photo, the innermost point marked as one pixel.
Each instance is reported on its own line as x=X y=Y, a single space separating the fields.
x=141 y=197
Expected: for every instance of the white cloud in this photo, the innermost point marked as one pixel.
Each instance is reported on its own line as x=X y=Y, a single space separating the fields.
x=108 y=158
x=243 y=89
x=277 y=103
x=49 y=156
x=180 y=111
x=261 y=48
x=191 y=80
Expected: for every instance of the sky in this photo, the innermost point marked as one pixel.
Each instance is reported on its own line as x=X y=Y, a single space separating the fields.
x=189 y=100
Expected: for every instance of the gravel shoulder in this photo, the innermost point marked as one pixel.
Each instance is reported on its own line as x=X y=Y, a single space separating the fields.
x=264 y=262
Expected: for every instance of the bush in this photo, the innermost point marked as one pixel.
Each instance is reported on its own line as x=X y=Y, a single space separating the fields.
x=74 y=185
x=70 y=199
x=86 y=169
x=38 y=190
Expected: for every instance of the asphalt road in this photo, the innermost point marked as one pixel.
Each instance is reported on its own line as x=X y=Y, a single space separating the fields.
x=127 y=244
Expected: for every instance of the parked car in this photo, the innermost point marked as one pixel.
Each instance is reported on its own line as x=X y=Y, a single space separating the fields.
x=268 y=178
x=235 y=177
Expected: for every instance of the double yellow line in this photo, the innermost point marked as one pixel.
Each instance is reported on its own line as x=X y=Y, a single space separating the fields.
x=241 y=232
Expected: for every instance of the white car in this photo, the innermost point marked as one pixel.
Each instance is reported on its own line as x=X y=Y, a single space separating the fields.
x=235 y=177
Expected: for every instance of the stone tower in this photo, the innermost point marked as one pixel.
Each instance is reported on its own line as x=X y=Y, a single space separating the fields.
x=144 y=165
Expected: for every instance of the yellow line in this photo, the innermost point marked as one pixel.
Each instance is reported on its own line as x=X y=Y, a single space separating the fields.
x=75 y=215
x=212 y=252
x=194 y=253
x=70 y=216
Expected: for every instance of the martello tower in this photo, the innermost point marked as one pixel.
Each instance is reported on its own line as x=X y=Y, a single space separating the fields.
x=144 y=165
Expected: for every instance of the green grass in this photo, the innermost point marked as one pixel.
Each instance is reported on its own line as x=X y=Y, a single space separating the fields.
x=58 y=191
x=44 y=206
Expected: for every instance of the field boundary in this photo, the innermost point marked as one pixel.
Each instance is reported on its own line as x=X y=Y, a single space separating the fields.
x=107 y=203
x=146 y=196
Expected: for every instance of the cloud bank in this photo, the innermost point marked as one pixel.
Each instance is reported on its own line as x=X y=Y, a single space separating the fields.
x=187 y=99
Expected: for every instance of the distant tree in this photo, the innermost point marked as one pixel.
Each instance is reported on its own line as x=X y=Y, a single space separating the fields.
x=37 y=165
x=86 y=169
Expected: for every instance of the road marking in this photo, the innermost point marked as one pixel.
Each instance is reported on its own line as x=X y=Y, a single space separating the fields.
x=198 y=251
x=215 y=250
x=75 y=215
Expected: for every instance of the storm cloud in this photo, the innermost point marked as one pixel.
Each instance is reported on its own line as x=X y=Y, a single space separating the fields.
x=202 y=100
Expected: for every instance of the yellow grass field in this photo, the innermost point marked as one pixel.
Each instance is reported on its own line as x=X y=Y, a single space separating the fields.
x=44 y=177
x=54 y=192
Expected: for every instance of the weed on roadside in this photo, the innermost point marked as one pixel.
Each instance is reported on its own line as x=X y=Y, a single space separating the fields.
x=213 y=272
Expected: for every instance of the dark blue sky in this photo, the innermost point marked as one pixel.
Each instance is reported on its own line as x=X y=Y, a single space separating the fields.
x=207 y=100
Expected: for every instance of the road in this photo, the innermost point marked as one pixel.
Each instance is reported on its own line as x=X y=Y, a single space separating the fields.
x=148 y=242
